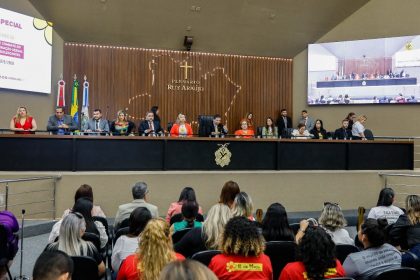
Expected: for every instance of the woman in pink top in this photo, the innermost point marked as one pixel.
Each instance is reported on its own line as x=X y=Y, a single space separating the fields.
x=187 y=194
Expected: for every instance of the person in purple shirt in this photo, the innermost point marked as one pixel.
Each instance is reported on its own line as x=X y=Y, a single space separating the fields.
x=9 y=222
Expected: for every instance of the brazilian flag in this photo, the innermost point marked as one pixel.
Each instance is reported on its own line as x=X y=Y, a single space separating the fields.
x=74 y=111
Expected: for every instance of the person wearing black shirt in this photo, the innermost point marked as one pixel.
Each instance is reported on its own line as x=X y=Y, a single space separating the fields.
x=283 y=122
x=318 y=131
x=343 y=133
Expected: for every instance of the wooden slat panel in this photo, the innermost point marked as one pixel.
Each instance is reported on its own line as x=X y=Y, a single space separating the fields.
x=135 y=79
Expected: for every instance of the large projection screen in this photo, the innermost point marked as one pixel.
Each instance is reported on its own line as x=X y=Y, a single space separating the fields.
x=25 y=52
x=375 y=71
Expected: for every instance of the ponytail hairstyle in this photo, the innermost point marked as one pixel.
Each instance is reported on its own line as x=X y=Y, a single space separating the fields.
x=375 y=231
x=189 y=212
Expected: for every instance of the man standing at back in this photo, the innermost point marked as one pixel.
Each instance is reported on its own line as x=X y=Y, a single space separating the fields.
x=307 y=120
x=139 y=192
x=283 y=122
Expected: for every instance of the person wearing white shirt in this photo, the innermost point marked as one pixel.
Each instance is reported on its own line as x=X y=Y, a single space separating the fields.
x=384 y=207
x=358 y=130
x=332 y=219
x=301 y=132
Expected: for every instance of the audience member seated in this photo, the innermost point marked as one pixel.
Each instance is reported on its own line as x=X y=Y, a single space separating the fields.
x=351 y=117
x=283 y=122
x=187 y=270
x=86 y=191
x=139 y=191
x=149 y=126
x=187 y=194
x=96 y=123
x=128 y=244
x=181 y=128
x=207 y=236
x=60 y=123
x=343 y=133
x=332 y=219
x=245 y=131
x=315 y=254
x=270 y=130
x=122 y=126
x=301 y=132
x=217 y=129
x=229 y=191
x=385 y=208
x=70 y=240
x=54 y=265
x=242 y=246
x=242 y=206
x=11 y=226
x=377 y=256
x=406 y=231
x=155 y=251
x=358 y=129
x=22 y=122
x=318 y=131
x=83 y=206
x=189 y=212
x=275 y=225
x=250 y=121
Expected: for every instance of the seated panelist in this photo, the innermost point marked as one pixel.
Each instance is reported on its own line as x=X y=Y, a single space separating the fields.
x=22 y=122
x=181 y=128
x=244 y=132
x=60 y=123
x=121 y=126
x=149 y=126
x=97 y=123
x=343 y=133
x=301 y=132
x=217 y=128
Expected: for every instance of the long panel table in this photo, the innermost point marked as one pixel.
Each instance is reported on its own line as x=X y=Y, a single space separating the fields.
x=113 y=153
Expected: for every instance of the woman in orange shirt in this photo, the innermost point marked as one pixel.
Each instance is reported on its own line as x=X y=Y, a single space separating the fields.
x=244 y=132
x=181 y=128
x=22 y=123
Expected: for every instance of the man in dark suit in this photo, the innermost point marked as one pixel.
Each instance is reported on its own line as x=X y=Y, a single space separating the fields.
x=60 y=123
x=283 y=122
x=149 y=126
x=97 y=123
x=343 y=133
x=217 y=128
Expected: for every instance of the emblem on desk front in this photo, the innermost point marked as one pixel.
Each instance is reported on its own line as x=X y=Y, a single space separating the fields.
x=223 y=155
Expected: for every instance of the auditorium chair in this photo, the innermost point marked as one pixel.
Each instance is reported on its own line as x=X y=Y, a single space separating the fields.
x=287 y=133
x=405 y=273
x=85 y=268
x=343 y=250
x=204 y=123
x=259 y=131
x=4 y=251
x=121 y=231
x=368 y=134
x=123 y=224
x=205 y=256
x=108 y=248
x=280 y=254
x=179 y=234
x=178 y=218
x=169 y=126
x=94 y=238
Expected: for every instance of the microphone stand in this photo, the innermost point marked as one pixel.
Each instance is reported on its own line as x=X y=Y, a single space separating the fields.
x=21 y=277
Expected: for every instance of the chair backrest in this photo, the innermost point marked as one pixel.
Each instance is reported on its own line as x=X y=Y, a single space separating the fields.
x=179 y=234
x=280 y=254
x=205 y=256
x=259 y=130
x=85 y=268
x=405 y=273
x=169 y=127
x=368 y=134
x=287 y=133
x=121 y=231
x=343 y=250
x=94 y=238
x=204 y=122
x=178 y=218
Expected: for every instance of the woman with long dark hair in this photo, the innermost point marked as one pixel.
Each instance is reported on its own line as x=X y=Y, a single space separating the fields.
x=385 y=208
x=189 y=212
x=270 y=130
x=86 y=190
x=318 y=131
x=316 y=257
x=187 y=194
x=275 y=226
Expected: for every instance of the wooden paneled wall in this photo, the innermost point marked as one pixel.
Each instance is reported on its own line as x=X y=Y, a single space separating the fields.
x=135 y=79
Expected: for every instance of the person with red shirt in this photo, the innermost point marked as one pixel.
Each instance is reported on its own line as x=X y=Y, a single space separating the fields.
x=23 y=123
x=245 y=131
x=181 y=128
x=155 y=251
x=242 y=246
x=316 y=255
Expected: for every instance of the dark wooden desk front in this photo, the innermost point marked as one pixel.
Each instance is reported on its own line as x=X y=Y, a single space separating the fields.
x=112 y=153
